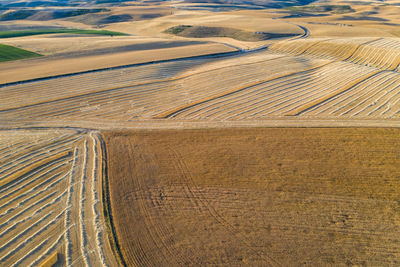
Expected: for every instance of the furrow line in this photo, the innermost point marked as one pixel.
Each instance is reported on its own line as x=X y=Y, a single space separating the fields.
x=48 y=251
x=68 y=243
x=31 y=237
x=23 y=202
x=82 y=232
x=96 y=201
x=171 y=113
x=303 y=108
x=31 y=179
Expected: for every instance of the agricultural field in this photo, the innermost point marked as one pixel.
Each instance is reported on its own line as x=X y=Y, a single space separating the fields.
x=274 y=84
x=50 y=199
x=9 y=53
x=99 y=54
x=272 y=197
x=21 y=33
x=224 y=133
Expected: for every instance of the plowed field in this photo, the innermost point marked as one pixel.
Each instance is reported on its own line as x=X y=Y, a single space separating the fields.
x=267 y=197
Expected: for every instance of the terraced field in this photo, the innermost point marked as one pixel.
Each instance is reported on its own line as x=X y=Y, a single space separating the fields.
x=49 y=199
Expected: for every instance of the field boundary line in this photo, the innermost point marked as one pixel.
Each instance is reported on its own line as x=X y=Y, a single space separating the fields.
x=106 y=205
x=67 y=233
x=172 y=112
x=81 y=210
x=302 y=109
x=96 y=202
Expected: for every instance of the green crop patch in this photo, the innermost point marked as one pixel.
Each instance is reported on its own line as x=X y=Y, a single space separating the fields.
x=10 y=34
x=8 y=53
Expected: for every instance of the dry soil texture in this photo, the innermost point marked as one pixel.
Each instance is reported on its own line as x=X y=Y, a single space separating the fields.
x=261 y=196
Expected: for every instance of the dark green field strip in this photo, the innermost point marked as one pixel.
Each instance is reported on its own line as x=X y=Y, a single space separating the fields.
x=10 y=34
x=8 y=53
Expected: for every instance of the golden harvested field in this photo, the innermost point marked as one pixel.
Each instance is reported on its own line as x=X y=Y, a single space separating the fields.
x=67 y=64
x=297 y=78
x=261 y=196
x=50 y=191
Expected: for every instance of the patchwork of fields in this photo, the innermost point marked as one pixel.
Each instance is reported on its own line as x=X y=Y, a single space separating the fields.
x=153 y=149
x=296 y=78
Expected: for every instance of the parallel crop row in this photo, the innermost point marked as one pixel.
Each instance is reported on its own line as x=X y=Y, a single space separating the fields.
x=382 y=53
x=253 y=86
x=20 y=95
x=146 y=101
x=44 y=188
x=296 y=47
x=377 y=97
x=277 y=97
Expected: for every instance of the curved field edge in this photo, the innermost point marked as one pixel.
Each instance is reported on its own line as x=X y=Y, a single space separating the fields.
x=164 y=58
x=107 y=212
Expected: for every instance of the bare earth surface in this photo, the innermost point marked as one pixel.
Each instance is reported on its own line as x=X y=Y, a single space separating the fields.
x=271 y=197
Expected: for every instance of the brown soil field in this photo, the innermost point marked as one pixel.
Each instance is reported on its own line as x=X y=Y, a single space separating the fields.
x=261 y=196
